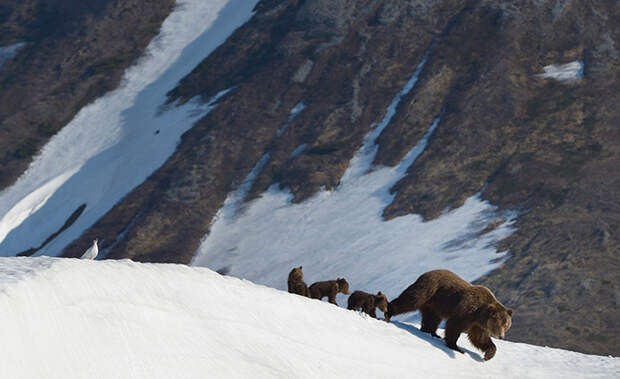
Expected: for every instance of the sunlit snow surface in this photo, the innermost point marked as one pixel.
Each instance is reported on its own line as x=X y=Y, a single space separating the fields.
x=341 y=233
x=564 y=72
x=114 y=144
x=70 y=318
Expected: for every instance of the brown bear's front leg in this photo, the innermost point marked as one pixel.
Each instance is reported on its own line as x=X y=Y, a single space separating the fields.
x=430 y=322
x=372 y=313
x=332 y=297
x=481 y=339
x=453 y=331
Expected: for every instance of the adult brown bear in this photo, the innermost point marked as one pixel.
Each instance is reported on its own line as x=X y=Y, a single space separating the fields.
x=443 y=295
x=296 y=282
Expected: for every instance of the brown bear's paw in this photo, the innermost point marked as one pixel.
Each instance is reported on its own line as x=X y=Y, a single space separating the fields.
x=490 y=353
x=454 y=347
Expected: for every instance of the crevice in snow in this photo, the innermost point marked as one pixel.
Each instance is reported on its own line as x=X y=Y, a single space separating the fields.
x=70 y=220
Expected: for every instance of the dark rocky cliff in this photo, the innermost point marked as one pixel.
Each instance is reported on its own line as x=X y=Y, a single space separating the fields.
x=546 y=149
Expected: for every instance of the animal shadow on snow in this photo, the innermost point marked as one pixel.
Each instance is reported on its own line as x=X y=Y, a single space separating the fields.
x=436 y=342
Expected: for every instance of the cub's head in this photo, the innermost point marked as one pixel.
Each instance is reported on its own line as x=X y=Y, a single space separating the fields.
x=343 y=286
x=381 y=302
x=497 y=319
x=296 y=274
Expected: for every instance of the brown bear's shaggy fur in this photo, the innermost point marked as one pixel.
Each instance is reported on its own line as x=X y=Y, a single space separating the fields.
x=443 y=295
x=329 y=288
x=367 y=302
x=296 y=282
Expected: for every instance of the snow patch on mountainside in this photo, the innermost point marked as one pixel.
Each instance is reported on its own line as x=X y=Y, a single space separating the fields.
x=8 y=52
x=69 y=318
x=342 y=233
x=115 y=143
x=564 y=72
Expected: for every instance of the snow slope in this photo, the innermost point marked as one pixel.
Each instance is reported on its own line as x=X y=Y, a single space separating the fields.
x=115 y=143
x=69 y=318
x=341 y=233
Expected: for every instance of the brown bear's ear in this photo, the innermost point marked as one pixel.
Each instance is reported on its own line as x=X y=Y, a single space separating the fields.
x=379 y=293
x=510 y=311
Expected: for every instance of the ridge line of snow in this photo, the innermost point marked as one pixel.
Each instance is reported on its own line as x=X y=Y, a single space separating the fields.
x=70 y=318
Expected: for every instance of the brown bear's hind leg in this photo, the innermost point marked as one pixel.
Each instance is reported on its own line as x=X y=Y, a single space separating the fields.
x=481 y=339
x=454 y=327
x=430 y=322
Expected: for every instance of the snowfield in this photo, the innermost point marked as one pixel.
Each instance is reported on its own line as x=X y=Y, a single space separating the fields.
x=115 y=143
x=70 y=318
x=342 y=233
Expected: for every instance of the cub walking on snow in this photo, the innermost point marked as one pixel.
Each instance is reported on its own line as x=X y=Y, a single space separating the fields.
x=329 y=288
x=367 y=302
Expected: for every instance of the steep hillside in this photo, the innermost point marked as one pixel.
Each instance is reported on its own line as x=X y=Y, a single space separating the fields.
x=70 y=53
x=291 y=95
x=66 y=318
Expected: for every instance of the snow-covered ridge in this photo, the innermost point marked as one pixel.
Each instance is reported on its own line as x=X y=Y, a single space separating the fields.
x=69 y=318
x=115 y=143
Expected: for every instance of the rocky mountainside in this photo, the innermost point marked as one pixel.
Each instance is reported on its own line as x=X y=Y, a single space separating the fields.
x=545 y=148
x=72 y=52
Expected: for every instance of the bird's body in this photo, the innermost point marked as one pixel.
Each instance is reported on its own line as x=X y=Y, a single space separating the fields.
x=92 y=251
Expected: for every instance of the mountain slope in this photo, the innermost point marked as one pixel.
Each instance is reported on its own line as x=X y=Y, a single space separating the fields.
x=71 y=318
x=115 y=143
x=304 y=84
x=71 y=52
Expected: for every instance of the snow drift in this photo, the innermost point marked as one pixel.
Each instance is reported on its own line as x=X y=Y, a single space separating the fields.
x=69 y=318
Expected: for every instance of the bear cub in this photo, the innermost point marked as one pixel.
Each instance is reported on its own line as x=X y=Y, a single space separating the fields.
x=367 y=302
x=296 y=282
x=443 y=295
x=329 y=288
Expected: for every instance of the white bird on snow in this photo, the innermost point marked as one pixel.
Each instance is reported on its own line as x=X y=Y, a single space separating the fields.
x=92 y=251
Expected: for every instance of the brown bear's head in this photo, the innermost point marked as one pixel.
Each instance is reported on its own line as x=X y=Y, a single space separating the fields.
x=381 y=302
x=296 y=274
x=343 y=286
x=498 y=319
